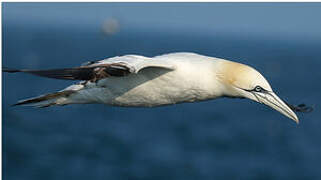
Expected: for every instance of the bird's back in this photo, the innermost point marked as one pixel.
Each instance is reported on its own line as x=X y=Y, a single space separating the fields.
x=191 y=80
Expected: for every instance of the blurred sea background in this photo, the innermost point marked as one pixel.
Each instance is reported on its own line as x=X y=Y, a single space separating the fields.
x=220 y=139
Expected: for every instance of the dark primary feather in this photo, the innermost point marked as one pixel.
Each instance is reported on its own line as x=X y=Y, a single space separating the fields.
x=89 y=73
x=45 y=97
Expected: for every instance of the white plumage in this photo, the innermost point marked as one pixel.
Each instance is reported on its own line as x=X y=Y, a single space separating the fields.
x=161 y=80
x=134 y=80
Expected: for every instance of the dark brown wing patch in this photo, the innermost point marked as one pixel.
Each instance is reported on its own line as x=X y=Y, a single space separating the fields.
x=88 y=73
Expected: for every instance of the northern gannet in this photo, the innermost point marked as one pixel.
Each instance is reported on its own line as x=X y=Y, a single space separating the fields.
x=138 y=81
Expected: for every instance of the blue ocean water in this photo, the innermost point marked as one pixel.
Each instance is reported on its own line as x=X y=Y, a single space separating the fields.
x=220 y=139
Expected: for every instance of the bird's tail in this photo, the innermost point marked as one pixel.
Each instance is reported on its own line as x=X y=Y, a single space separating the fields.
x=56 y=98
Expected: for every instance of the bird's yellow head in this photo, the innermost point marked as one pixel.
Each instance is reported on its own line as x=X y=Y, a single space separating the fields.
x=243 y=81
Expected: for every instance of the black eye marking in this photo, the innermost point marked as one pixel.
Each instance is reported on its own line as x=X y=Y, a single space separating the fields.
x=258 y=89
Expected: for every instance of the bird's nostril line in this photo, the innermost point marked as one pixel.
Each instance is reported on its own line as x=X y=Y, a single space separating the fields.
x=257 y=98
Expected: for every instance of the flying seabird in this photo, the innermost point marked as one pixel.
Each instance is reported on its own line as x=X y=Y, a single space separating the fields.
x=138 y=81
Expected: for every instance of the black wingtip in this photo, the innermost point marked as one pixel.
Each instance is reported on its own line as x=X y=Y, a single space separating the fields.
x=13 y=105
x=19 y=103
x=10 y=70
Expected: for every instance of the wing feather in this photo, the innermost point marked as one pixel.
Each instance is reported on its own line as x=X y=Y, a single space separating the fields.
x=117 y=67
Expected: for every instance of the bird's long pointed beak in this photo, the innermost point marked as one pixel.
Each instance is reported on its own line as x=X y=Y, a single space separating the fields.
x=272 y=100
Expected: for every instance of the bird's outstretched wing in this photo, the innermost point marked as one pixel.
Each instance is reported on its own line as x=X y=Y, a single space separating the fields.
x=93 y=73
x=117 y=66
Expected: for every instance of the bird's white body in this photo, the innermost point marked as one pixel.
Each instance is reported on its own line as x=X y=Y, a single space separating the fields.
x=134 y=80
x=190 y=77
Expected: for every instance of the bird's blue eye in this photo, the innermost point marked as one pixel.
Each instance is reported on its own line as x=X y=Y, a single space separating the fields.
x=258 y=89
